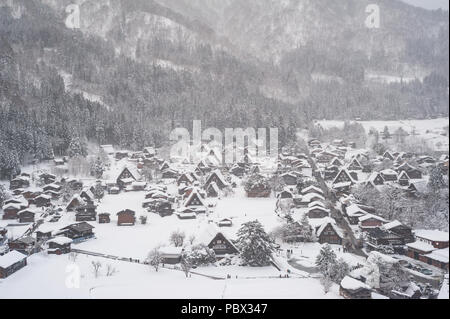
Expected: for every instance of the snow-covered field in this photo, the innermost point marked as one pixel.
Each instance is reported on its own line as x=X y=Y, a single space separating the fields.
x=433 y=130
x=56 y=277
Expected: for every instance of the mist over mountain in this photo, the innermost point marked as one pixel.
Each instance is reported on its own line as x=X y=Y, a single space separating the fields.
x=136 y=69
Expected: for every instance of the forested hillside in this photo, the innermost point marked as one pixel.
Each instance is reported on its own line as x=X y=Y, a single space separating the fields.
x=137 y=69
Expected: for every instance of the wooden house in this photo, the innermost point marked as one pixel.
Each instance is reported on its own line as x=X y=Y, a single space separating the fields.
x=47 y=178
x=86 y=213
x=378 y=237
x=290 y=178
x=212 y=190
x=169 y=174
x=351 y=288
x=19 y=182
x=127 y=176
x=126 y=217
x=52 y=187
x=355 y=165
x=218 y=242
x=343 y=177
x=318 y=212
x=330 y=172
x=43 y=200
x=376 y=179
x=104 y=218
x=11 y=262
x=87 y=195
x=186 y=179
x=187 y=213
x=11 y=210
x=74 y=203
x=171 y=255
x=237 y=170
x=400 y=229
x=412 y=172
x=25 y=245
x=388 y=155
x=328 y=232
x=78 y=232
x=437 y=239
x=218 y=178
x=26 y=216
x=226 y=222
x=59 y=245
x=370 y=221
x=403 y=179
x=353 y=212
x=389 y=175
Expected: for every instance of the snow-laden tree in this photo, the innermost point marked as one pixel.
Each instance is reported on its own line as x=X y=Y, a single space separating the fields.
x=201 y=255
x=76 y=147
x=97 y=167
x=436 y=181
x=155 y=259
x=326 y=259
x=254 y=244
x=4 y=194
x=177 y=238
x=306 y=231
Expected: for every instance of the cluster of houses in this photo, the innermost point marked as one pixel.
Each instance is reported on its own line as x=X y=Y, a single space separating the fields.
x=343 y=167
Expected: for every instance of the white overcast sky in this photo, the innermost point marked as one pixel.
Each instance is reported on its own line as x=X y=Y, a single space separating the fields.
x=429 y=4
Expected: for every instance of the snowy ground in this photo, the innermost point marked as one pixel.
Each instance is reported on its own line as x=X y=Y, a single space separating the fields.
x=430 y=130
x=59 y=277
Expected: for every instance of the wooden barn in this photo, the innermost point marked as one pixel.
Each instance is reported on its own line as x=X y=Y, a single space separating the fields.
x=86 y=213
x=11 y=262
x=25 y=245
x=329 y=233
x=104 y=218
x=10 y=211
x=59 y=245
x=218 y=242
x=26 y=216
x=126 y=217
x=369 y=221
x=218 y=178
x=78 y=232
x=43 y=200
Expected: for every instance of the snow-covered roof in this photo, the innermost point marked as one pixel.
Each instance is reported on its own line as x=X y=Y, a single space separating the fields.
x=11 y=258
x=350 y=283
x=422 y=246
x=60 y=240
x=312 y=188
x=170 y=250
x=441 y=255
x=392 y=225
x=371 y=216
x=329 y=221
x=316 y=203
x=355 y=210
x=310 y=196
x=388 y=172
x=433 y=235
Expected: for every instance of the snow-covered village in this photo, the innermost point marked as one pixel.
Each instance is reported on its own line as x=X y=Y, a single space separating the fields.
x=322 y=220
x=224 y=150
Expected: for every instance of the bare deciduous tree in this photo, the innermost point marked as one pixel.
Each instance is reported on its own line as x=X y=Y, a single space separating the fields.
x=177 y=238
x=96 y=265
x=155 y=259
